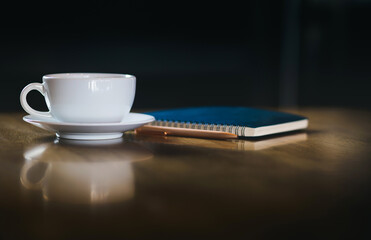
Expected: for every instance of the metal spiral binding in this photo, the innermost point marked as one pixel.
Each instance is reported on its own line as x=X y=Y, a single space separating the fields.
x=238 y=130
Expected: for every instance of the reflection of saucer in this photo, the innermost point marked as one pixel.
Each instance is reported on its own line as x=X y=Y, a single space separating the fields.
x=89 y=151
x=90 y=131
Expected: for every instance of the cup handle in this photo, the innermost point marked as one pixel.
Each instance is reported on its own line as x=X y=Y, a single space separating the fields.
x=23 y=98
x=24 y=180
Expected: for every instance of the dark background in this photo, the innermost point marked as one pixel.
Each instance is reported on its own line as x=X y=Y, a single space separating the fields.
x=189 y=53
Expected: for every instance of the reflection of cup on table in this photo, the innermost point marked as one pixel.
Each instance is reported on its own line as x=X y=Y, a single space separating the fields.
x=78 y=174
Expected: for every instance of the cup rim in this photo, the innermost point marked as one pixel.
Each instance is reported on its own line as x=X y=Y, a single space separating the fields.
x=88 y=76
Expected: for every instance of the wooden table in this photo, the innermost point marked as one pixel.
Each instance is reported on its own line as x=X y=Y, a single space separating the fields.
x=310 y=184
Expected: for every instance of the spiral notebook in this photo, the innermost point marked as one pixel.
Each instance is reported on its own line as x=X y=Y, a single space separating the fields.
x=222 y=122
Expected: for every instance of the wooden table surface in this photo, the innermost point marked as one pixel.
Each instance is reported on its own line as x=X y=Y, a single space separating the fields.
x=309 y=184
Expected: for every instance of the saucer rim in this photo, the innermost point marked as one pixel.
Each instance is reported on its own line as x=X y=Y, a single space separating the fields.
x=30 y=118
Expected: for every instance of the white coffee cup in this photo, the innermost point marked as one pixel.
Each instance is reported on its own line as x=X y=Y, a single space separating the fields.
x=84 y=97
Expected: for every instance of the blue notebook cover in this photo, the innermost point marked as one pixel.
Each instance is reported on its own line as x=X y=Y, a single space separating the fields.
x=242 y=121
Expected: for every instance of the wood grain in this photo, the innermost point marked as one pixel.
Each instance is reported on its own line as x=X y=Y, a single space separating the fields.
x=312 y=183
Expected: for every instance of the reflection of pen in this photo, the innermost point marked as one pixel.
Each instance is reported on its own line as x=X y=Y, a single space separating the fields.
x=231 y=143
x=183 y=132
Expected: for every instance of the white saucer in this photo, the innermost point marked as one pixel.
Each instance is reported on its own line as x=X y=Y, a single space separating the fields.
x=90 y=131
